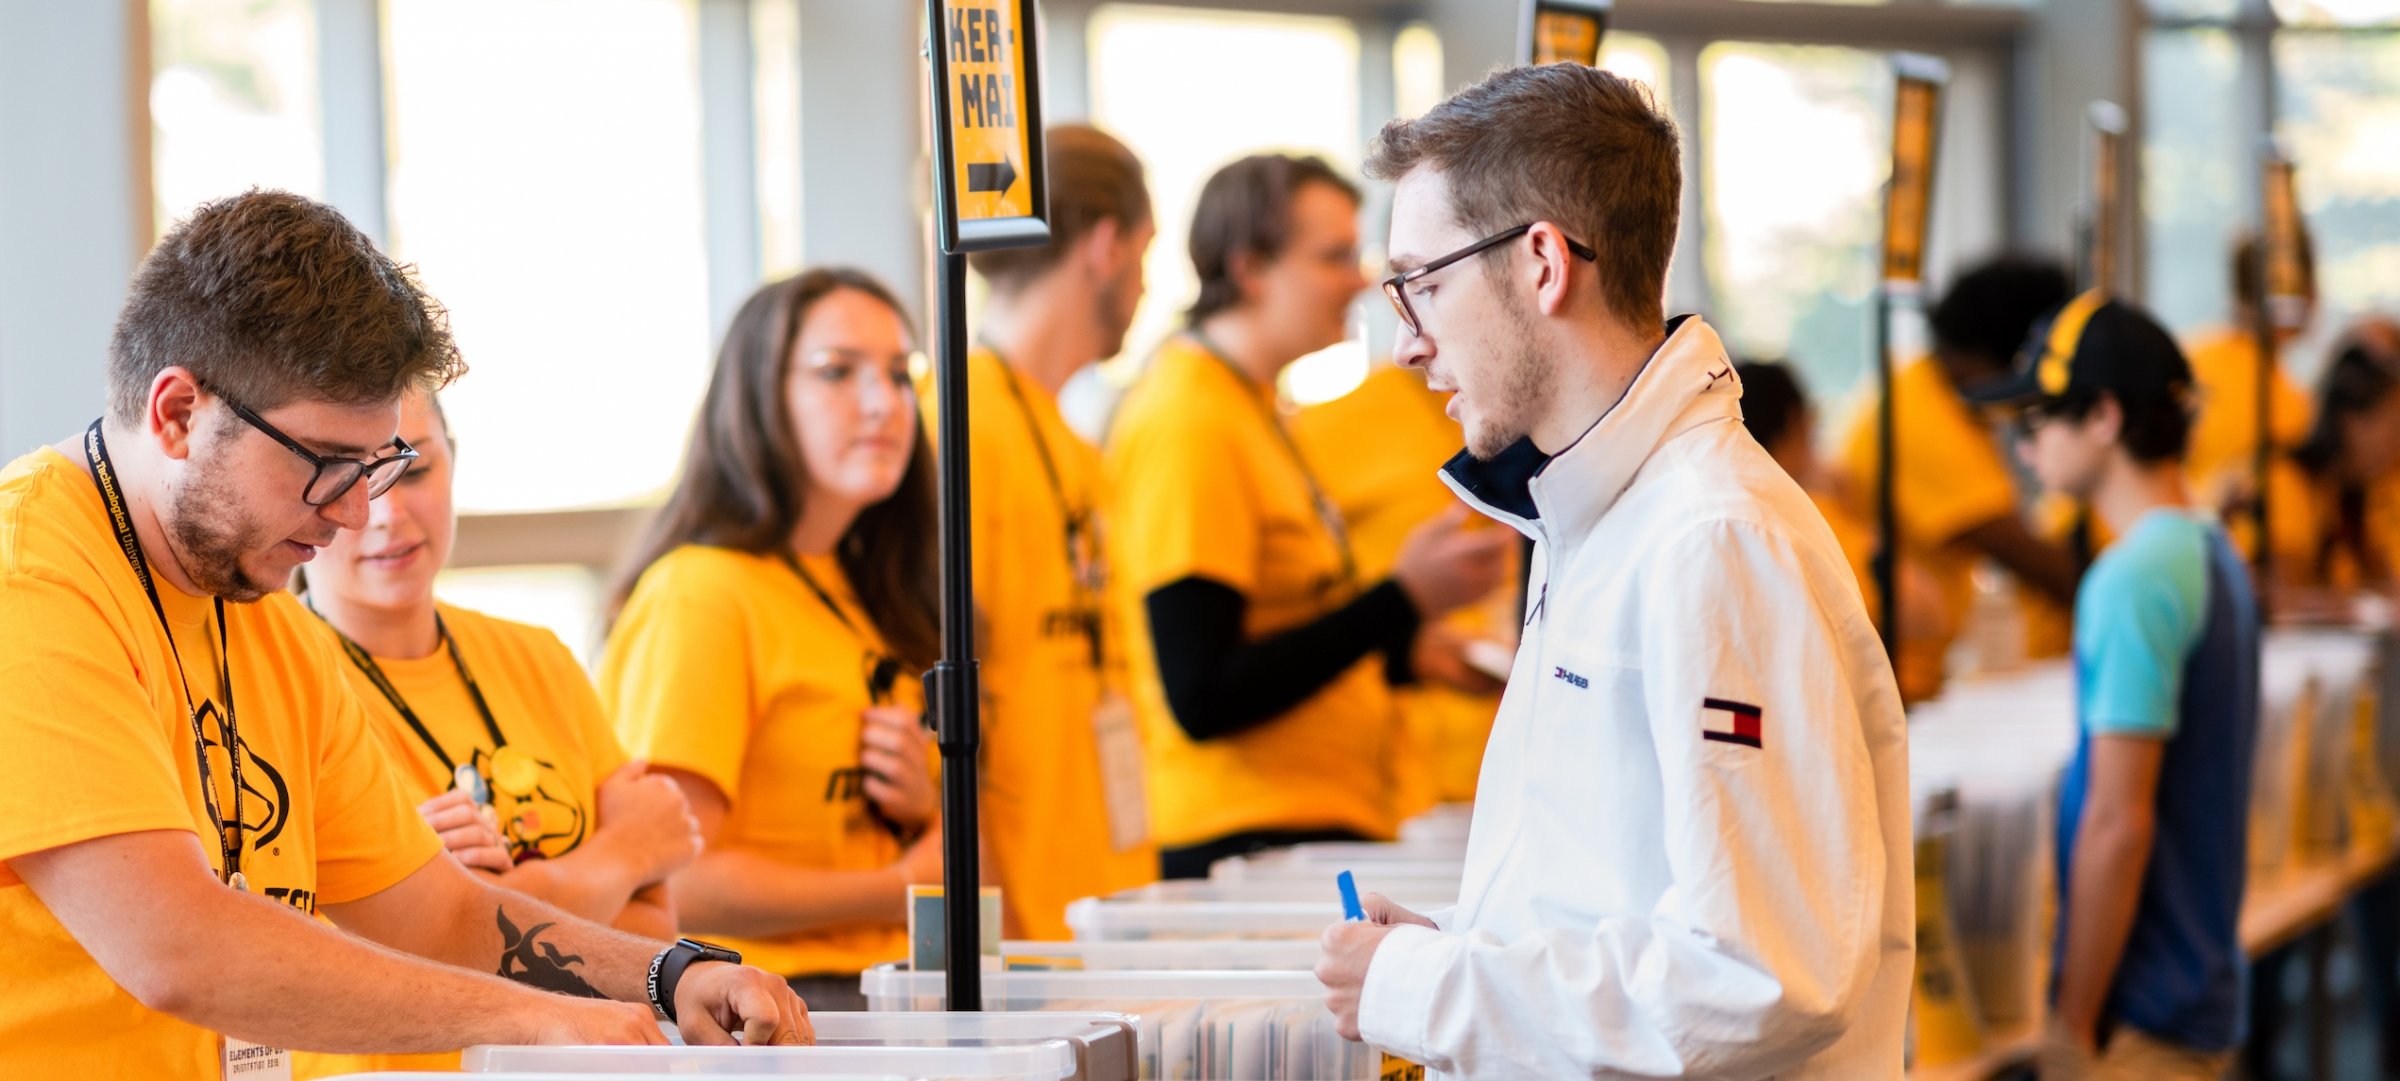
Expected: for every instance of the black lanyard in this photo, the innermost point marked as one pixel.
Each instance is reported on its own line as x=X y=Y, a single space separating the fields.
x=881 y=671
x=1327 y=514
x=229 y=844
x=1078 y=519
x=391 y=694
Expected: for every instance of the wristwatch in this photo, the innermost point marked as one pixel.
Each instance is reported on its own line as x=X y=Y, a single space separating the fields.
x=666 y=969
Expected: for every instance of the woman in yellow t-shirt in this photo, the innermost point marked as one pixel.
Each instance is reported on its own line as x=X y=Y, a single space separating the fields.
x=765 y=639
x=491 y=724
x=2334 y=500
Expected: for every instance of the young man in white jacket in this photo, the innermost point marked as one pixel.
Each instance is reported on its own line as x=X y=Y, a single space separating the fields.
x=1691 y=849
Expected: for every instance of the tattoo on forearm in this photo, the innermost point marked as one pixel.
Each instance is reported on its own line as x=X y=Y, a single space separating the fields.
x=525 y=958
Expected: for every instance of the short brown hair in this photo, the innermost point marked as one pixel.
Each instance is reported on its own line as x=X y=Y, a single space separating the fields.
x=1093 y=178
x=1575 y=146
x=269 y=297
x=1246 y=209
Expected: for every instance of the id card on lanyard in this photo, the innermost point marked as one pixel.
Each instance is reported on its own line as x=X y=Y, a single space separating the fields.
x=1114 y=734
x=240 y=1058
x=246 y=1061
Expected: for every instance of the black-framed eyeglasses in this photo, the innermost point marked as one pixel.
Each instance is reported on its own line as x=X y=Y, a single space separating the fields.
x=334 y=477
x=1395 y=287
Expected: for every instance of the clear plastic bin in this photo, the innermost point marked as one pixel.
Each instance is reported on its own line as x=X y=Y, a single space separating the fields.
x=1123 y=920
x=1200 y=1026
x=677 y=1076
x=1418 y=877
x=1447 y=822
x=1343 y=854
x=1268 y=955
x=1312 y=887
x=1044 y=1060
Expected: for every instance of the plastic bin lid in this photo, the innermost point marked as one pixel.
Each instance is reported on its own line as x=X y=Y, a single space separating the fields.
x=1104 y=920
x=888 y=980
x=1167 y=955
x=412 y=1075
x=1315 y=888
x=1045 y=1060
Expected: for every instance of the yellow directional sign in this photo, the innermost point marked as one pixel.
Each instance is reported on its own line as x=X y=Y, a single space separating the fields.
x=987 y=123
x=2287 y=268
x=1916 y=130
x=2104 y=252
x=1564 y=31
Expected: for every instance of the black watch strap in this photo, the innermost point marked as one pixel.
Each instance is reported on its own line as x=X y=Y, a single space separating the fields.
x=666 y=969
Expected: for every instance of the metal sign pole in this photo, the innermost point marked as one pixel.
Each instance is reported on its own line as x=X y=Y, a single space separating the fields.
x=990 y=191
x=1908 y=204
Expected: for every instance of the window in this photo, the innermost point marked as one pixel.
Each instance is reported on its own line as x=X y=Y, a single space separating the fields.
x=1417 y=83
x=565 y=600
x=775 y=54
x=2193 y=190
x=548 y=186
x=1797 y=146
x=1146 y=63
x=1641 y=59
x=233 y=101
x=2337 y=95
x=2340 y=97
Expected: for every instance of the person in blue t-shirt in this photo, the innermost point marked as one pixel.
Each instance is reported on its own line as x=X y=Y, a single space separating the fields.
x=2153 y=812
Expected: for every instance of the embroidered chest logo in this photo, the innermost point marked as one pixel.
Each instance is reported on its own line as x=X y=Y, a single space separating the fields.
x=1726 y=721
x=1570 y=679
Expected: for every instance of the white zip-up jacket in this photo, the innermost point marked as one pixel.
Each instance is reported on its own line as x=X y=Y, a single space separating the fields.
x=1691 y=853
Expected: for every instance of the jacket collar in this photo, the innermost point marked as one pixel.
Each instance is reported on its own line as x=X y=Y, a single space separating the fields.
x=1689 y=381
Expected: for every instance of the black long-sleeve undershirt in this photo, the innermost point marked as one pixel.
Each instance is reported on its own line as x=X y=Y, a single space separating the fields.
x=1218 y=684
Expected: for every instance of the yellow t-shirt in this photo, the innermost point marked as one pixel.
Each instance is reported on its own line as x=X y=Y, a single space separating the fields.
x=1951 y=478
x=2304 y=517
x=2225 y=432
x=1041 y=592
x=1857 y=541
x=545 y=786
x=1204 y=486
x=726 y=664
x=101 y=744
x=1378 y=451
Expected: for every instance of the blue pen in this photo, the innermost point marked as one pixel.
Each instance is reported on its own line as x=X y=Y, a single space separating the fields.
x=1351 y=910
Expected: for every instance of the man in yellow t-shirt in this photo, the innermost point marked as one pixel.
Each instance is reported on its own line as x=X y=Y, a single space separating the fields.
x=189 y=770
x=1262 y=653
x=1954 y=495
x=2223 y=463
x=1378 y=450
x=1063 y=804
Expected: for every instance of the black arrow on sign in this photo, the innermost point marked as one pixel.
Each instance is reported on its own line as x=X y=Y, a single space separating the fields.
x=995 y=177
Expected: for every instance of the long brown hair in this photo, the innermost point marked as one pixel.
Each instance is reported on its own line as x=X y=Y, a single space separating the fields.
x=743 y=475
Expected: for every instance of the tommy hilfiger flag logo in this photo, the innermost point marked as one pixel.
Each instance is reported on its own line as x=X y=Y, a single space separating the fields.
x=1729 y=722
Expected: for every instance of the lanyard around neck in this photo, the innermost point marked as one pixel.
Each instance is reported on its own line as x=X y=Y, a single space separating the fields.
x=1078 y=520
x=1328 y=515
x=229 y=839
x=365 y=663
x=882 y=671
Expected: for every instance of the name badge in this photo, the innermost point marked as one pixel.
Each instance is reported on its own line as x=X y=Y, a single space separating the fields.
x=253 y=1062
x=1120 y=745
